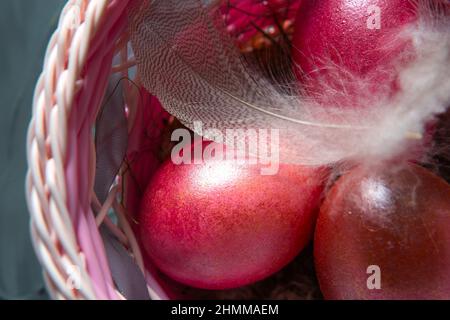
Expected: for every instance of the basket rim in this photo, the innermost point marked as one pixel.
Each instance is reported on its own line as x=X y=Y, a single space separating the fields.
x=65 y=102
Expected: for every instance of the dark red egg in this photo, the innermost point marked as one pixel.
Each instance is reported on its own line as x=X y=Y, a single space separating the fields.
x=383 y=233
x=221 y=224
x=335 y=40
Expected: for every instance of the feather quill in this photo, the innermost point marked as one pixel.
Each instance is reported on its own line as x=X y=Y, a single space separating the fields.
x=188 y=61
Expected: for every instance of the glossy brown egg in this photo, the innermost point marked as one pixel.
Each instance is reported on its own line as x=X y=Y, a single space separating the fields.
x=383 y=233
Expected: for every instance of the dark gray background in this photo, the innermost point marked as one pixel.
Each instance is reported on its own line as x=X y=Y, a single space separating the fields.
x=25 y=28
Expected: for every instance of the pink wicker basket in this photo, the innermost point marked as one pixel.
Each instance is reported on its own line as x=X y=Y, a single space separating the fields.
x=61 y=152
x=89 y=45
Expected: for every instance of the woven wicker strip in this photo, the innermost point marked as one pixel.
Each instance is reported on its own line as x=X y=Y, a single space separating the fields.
x=60 y=149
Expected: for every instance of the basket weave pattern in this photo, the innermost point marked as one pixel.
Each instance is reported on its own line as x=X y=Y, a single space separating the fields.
x=61 y=150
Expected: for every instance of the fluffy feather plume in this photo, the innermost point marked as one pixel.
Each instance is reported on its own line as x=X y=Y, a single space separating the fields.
x=187 y=60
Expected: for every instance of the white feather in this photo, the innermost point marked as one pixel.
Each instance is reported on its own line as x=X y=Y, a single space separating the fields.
x=187 y=61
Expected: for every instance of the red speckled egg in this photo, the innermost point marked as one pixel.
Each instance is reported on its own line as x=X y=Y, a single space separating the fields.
x=221 y=224
x=335 y=38
x=383 y=233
